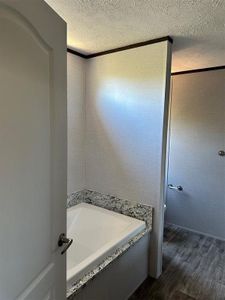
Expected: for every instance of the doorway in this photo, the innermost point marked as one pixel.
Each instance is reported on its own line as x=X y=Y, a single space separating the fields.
x=196 y=167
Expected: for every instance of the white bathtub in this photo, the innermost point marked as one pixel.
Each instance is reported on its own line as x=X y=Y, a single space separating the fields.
x=96 y=233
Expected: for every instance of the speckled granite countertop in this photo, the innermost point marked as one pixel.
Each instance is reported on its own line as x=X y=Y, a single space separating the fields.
x=132 y=209
x=135 y=210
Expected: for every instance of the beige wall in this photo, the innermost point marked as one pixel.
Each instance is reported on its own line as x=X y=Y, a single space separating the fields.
x=197 y=134
x=125 y=109
x=117 y=109
x=76 y=122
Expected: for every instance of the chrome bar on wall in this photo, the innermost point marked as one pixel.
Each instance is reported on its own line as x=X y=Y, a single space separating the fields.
x=177 y=188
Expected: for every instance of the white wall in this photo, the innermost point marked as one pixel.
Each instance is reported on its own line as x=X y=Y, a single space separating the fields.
x=125 y=106
x=76 y=122
x=197 y=134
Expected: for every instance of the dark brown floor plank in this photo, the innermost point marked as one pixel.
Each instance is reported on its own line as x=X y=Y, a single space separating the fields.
x=193 y=269
x=180 y=296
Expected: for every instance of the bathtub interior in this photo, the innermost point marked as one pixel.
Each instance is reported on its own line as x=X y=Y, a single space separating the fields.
x=96 y=233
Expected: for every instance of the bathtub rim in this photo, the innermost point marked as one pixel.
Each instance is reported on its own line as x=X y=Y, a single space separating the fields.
x=78 y=285
x=75 y=287
x=96 y=258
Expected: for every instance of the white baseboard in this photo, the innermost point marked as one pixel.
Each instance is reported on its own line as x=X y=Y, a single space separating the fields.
x=196 y=231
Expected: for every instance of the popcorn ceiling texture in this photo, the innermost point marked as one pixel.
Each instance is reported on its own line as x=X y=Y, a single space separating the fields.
x=197 y=27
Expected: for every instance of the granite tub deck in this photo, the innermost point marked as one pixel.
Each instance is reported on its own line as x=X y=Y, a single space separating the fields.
x=125 y=207
x=132 y=209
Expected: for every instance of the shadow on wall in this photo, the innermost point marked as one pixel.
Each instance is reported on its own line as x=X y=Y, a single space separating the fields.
x=129 y=123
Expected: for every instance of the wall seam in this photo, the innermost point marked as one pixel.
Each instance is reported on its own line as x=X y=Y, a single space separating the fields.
x=85 y=121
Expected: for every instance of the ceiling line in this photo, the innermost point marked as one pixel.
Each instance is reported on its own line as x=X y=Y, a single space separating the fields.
x=141 y=44
x=131 y=46
x=198 y=70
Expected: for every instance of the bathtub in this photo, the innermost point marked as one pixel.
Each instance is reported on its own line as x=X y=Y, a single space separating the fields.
x=96 y=233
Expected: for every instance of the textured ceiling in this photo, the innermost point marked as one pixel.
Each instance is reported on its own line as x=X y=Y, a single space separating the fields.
x=197 y=27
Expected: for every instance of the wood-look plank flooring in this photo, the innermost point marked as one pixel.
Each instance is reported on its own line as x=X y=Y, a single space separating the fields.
x=193 y=269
